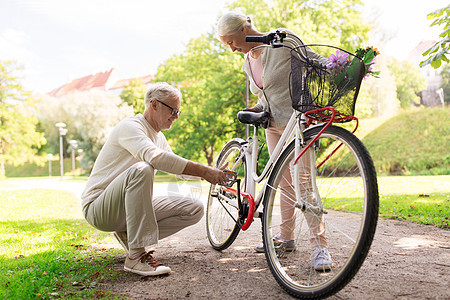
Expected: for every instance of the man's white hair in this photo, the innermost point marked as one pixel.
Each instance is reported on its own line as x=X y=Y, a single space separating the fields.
x=161 y=91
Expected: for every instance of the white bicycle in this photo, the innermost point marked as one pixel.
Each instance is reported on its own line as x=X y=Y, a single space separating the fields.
x=339 y=195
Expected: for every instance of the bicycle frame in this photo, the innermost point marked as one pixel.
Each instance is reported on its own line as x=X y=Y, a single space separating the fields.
x=293 y=131
x=250 y=151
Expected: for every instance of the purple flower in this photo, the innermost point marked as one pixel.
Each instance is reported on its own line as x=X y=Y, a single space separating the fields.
x=338 y=60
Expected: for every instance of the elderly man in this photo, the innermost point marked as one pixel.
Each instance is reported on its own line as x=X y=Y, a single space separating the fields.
x=119 y=193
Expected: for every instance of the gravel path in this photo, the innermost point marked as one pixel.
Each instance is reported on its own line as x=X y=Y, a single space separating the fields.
x=406 y=261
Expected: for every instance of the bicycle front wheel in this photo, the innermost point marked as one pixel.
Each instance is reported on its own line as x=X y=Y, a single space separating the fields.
x=223 y=218
x=338 y=211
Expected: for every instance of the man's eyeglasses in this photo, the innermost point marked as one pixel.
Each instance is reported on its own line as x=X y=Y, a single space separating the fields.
x=174 y=111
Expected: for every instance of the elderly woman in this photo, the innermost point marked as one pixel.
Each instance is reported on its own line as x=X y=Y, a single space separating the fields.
x=268 y=69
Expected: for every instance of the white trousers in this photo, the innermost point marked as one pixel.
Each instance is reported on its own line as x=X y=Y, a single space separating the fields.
x=127 y=204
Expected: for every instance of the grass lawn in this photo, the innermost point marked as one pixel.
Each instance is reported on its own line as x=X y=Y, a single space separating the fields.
x=48 y=250
x=421 y=199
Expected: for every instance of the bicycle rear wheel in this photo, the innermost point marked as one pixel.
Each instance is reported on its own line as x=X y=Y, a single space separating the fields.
x=345 y=186
x=223 y=218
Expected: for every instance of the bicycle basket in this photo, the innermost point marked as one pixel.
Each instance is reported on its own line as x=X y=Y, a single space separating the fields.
x=316 y=84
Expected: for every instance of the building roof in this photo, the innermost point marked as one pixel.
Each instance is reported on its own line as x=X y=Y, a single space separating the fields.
x=415 y=56
x=99 y=80
x=104 y=80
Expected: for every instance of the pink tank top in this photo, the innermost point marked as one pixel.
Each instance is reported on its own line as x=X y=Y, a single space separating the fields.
x=256 y=68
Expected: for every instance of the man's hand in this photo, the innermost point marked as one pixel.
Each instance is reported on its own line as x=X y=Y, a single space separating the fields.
x=215 y=176
x=212 y=175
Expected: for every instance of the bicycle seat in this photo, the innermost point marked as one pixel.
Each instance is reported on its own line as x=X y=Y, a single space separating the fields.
x=254 y=118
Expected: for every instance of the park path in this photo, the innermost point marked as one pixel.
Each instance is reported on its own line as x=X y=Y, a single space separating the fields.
x=76 y=187
x=406 y=260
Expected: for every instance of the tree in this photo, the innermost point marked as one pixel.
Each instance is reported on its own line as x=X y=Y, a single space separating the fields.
x=409 y=82
x=439 y=51
x=89 y=116
x=19 y=139
x=133 y=94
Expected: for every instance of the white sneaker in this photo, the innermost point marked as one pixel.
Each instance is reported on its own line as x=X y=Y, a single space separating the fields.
x=279 y=243
x=321 y=259
x=145 y=265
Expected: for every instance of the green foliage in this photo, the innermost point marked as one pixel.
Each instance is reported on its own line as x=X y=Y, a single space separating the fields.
x=409 y=82
x=47 y=248
x=19 y=139
x=439 y=51
x=133 y=94
x=413 y=142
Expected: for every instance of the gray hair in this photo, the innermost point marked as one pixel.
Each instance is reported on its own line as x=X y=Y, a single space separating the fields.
x=161 y=91
x=232 y=22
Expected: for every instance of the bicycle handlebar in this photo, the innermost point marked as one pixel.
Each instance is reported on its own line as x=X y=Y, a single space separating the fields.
x=265 y=39
x=268 y=39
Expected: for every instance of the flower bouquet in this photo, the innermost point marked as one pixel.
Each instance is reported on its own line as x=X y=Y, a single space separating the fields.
x=333 y=82
x=348 y=69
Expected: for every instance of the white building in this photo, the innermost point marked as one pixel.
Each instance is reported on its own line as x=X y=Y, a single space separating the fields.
x=433 y=95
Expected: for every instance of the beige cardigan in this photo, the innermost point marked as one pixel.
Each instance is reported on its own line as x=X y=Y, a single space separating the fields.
x=131 y=141
x=274 y=97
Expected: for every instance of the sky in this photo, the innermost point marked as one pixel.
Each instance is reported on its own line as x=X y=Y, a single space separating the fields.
x=60 y=40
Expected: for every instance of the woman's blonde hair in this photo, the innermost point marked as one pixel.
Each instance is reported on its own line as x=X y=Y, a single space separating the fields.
x=232 y=22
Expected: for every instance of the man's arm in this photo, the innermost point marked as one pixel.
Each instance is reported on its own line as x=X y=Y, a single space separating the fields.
x=212 y=175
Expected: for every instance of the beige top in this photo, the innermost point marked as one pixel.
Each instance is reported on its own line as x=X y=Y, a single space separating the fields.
x=274 y=96
x=131 y=141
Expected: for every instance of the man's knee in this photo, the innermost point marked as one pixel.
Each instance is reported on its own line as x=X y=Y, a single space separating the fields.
x=197 y=210
x=142 y=170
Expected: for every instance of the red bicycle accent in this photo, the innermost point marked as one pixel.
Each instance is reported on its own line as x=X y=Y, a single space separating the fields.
x=251 y=206
x=318 y=115
x=317 y=112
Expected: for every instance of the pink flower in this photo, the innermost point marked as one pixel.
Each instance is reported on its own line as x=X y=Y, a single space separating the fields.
x=338 y=60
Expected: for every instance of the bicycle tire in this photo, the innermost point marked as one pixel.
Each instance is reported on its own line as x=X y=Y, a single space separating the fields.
x=339 y=182
x=223 y=219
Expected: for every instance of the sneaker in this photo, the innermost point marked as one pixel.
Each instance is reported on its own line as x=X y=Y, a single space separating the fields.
x=289 y=245
x=145 y=265
x=123 y=239
x=321 y=259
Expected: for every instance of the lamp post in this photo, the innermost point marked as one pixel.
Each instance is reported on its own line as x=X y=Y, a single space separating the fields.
x=62 y=132
x=50 y=157
x=73 y=146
